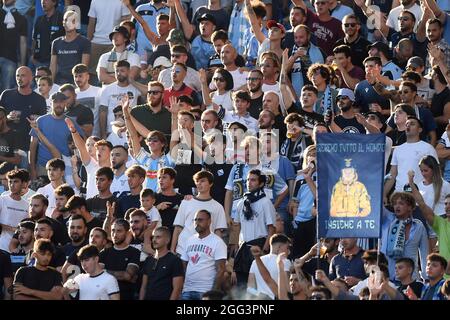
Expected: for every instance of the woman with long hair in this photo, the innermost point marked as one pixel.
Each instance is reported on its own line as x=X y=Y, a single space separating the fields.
x=223 y=81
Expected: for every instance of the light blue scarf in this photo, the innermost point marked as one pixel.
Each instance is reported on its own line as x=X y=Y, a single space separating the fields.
x=397 y=238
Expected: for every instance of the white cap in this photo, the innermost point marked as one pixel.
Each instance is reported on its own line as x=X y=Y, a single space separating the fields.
x=346 y=93
x=162 y=61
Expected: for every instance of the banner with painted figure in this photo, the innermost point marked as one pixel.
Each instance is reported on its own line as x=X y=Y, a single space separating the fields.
x=350 y=169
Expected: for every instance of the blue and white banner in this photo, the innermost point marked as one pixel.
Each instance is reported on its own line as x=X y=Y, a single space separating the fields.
x=350 y=169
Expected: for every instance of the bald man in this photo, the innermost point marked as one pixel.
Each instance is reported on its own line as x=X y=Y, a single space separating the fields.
x=21 y=103
x=228 y=57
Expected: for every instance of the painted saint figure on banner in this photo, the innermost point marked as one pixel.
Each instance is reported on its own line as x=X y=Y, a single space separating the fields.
x=349 y=197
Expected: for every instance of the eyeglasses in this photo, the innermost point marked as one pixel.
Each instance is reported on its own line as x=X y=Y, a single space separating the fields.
x=253 y=79
x=350 y=25
x=403 y=18
x=219 y=79
x=154 y=92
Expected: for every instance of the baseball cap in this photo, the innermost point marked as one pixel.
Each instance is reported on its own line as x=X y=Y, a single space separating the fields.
x=382 y=47
x=162 y=61
x=415 y=62
x=273 y=23
x=207 y=17
x=59 y=96
x=346 y=93
x=176 y=36
x=122 y=30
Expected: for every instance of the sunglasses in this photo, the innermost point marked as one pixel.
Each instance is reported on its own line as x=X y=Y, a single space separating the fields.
x=350 y=25
x=253 y=79
x=154 y=92
x=219 y=79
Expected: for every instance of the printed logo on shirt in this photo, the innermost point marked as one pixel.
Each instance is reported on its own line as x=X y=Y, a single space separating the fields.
x=199 y=248
x=195 y=258
x=152 y=174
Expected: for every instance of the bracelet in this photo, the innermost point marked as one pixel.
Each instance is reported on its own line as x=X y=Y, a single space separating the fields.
x=73 y=131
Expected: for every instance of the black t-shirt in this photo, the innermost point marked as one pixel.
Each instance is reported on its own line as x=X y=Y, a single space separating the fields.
x=69 y=248
x=45 y=31
x=221 y=173
x=168 y=215
x=349 y=125
x=5 y=269
x=437 y=107
x=60 y=235
x=118 y=260
x=93 y=224
x=358 y=48
x=398 y=137
x=97 y=206
x=18 y=259
x=8 y=143
x=415 y=286
x=27 y=104
x=10 y=38
x=84 y=8
x=126 y=201
x=160 y=274
x=256 y=107
x=36 y=279
x=311 y=118
x=82 y=114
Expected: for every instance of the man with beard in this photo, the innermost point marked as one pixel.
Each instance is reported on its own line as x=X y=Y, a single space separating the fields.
x=77 y=206
x=395 y=13
x=55 y=130
x=297 y=16
x=26 y=241
x=82 y=114
x=112 y=95
x=184 y=220
x=141 y=237
x=179 y=87
x=204 y=259
x=152 y=115
x=77 y=234
x=254 y=87
x=119 y=158
x=266 y=120
x=62 y=195
x=346 y=121
x=163 y=272
x=86 y=94
x=22 y=103
x=121 y=260
x=228 y=56
x=302 y=55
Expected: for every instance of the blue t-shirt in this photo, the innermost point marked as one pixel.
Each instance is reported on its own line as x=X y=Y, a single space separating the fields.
x=305 y=197
x=301 y=65
x=366 y=94
x=152 y=166
x=447 y=28
x=202 y=50
x=149 y=13
x=57 y=133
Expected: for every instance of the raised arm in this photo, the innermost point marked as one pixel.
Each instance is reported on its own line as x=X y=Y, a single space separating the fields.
x=188 y=28
x=421 y=26
x=256 y=28
x=265 y=274
x=134 y=136
x=283 y=281
x=205 y=89
x=437 y=12
x=427 y=212
x=79 y=142
x=286 y=93
x=51 y=147
x=151 y=36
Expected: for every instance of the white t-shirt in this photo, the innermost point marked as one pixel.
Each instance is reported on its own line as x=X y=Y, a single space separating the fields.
x=201 y=256
x=239 y=78
x=186 y=214
x=392 y=21
x=91 y=186
x=255 y=228
x=100 y=287
x=11 y=213
x=428 y=196
x=153 y=216
x=108 y=14
x=223 y=100
x=406 y=157
x=27 y=196
x=120 y=184
x=91 y=98
x=272 y=87
x=111 y=97
x=49 y=192
x=270 y=261
x=132 y=58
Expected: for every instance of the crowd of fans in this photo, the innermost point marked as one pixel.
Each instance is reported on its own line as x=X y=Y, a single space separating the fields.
x=167 y=150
